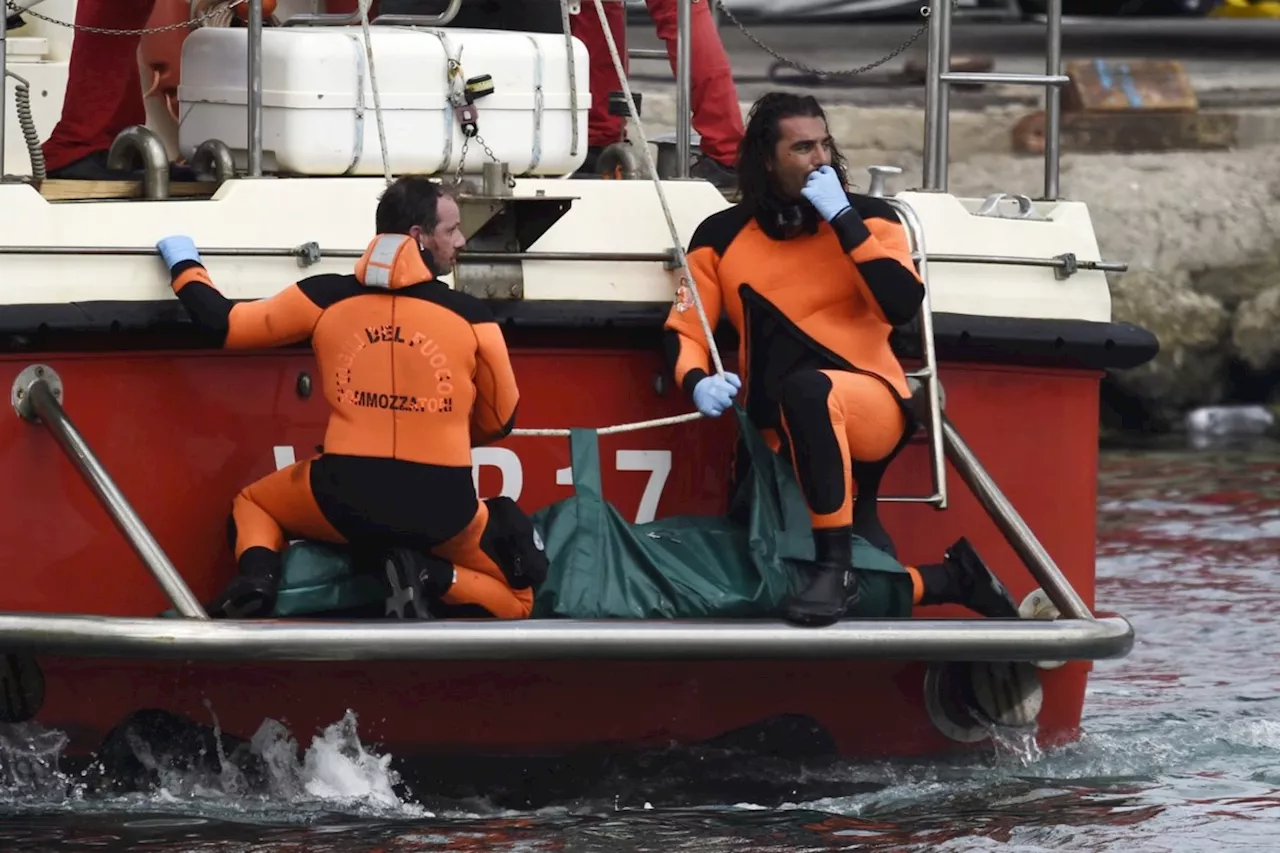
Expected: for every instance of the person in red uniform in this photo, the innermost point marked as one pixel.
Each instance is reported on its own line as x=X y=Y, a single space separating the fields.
x=814 y=279
x=717 y=116
x=416 y=374
x=104 y=91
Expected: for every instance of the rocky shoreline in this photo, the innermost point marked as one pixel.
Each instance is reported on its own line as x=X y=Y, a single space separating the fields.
x=1200 y=231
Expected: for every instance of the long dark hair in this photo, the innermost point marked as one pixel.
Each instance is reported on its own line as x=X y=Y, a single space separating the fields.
x=756 y=152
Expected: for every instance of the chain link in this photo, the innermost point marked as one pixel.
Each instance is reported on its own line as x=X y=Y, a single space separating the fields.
x=849 y=72
x=217 y=8
x=462 y=158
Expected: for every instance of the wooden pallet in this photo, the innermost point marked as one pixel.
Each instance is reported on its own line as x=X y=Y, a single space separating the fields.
x=64 y=189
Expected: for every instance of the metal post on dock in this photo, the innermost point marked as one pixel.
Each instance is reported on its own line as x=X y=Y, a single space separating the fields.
x=1015 y=530
x=937 y=96
x=255 y=88
x=1052 y=99
x=35 y=396
x=684 y=66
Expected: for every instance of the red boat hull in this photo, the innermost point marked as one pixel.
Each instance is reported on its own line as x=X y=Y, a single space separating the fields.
x=181 y=432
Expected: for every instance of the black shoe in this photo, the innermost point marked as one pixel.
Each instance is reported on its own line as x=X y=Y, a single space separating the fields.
x=417 y=582
x=720 y=176
x=977 y=587
x=248 y=596
x=93 y=167
x=826 y=598
x=832 y=584
x=590 y=167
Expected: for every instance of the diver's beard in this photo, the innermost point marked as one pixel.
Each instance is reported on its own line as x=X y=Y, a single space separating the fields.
x=434 y=266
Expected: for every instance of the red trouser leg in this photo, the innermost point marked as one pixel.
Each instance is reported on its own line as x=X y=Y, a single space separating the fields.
x=717 y=117
x=602 y=128
x=104 y=89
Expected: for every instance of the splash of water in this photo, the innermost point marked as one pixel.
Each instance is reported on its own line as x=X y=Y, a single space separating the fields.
x=338 y=768
x=1016 y=743
x=29 y=756
x=336 y=773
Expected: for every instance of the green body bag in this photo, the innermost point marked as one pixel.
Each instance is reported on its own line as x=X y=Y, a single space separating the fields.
x=693 y=567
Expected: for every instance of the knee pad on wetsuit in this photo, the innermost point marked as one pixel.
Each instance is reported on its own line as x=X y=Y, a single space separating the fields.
x=511 y=542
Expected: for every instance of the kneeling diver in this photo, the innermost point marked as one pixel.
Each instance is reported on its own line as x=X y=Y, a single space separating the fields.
x=416 y=374
x=814 y=279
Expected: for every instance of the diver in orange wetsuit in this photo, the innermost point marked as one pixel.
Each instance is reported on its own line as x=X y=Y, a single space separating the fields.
x=416 y=375
x=814 y=279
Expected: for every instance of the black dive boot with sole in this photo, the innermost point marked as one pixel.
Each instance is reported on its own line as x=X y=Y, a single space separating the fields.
x=417 y=580
x=962 y=578
x=252 y=593
x=832 y=582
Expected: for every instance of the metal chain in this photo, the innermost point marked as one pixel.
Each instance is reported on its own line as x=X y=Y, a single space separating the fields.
x=217 y=8
x=462 y=159
x=924 y=13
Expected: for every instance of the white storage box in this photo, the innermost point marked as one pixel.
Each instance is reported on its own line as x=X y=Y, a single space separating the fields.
x=317 y=99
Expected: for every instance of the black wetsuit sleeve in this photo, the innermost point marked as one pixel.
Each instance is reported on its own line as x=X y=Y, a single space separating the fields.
x=873 y=236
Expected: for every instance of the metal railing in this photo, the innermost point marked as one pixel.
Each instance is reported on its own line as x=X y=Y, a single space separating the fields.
x=487 y=640
x=928 y=374
x=311 y=253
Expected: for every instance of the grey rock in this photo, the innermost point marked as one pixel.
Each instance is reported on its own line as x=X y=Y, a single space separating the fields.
x=1255 y=331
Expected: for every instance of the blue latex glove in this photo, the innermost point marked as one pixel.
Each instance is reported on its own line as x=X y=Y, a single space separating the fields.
x=713 y=394
x=177 y=249
x=825 y=192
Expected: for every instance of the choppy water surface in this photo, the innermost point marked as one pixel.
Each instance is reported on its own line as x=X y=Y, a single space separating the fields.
x=1181 y=751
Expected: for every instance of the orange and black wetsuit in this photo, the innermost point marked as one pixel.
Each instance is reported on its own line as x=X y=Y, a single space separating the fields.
x=416 y=375
x=813 y=303
x=813 y=310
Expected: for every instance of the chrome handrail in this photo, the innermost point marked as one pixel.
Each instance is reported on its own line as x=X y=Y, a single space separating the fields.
x=36 y=397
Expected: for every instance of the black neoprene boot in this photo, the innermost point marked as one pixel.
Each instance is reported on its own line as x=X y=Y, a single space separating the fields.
x=962 y=578
x=832 y=582
x=417 y=581
x=251 y=594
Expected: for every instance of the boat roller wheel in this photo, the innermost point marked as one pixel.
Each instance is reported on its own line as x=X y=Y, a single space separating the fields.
x=1037 y=605
x=21 y=688
x=619 y=162
x=968 y=700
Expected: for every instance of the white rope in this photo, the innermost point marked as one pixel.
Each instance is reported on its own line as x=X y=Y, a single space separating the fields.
x=373 y=84
x=687 y=274
x=573 y=77
x=610 y=430
x=657 y=183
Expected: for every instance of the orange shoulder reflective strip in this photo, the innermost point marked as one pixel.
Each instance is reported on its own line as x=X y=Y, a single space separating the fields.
x=392 y=261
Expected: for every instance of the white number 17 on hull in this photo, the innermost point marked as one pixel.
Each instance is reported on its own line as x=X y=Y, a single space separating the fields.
x=656 y=462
